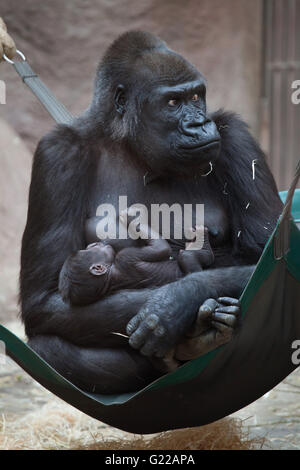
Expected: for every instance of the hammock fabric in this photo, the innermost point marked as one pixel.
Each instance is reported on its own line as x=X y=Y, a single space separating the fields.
x=222 y=381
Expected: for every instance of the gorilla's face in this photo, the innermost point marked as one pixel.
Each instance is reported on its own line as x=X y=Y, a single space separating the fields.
x=175 y=132
x=161 y=108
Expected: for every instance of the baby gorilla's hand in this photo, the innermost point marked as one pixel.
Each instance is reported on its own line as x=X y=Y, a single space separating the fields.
x=215 y=326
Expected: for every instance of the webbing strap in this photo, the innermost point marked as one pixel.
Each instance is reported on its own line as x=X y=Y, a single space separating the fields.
x=282 y=237
x=57 y=110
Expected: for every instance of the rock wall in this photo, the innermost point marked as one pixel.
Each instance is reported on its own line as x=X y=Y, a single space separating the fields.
x=64 y=41
x=15 y=164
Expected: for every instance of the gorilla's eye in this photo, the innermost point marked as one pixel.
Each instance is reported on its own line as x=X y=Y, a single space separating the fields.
x=195 y=97
x=172 y=102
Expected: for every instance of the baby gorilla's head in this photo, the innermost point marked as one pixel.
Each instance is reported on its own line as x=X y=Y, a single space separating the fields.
x=84 y=277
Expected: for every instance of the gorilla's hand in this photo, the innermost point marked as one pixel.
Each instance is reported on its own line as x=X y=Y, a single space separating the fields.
x=215 y=325
x=167 y=315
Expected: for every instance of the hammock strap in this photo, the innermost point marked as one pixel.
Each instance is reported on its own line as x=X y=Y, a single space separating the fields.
x=56 y=109
x=282 y=237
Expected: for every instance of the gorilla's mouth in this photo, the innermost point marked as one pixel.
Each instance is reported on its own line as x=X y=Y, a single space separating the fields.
x=200 y=146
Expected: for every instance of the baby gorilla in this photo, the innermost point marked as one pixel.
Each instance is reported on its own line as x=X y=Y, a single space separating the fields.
x=102 y=269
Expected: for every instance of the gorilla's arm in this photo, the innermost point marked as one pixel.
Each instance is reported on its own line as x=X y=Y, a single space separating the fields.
x=86 y=325
x=61 y=178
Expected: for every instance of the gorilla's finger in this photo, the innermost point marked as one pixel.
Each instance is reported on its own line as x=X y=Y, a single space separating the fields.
x=133 y=324
x=203 y=318
x=152 y=321
x=147 y=327
x=138 y=338
x=229 y=301
x=224 y=318
x=159 y=331
x=153 y=341
x=232 y=310
x=208 y=307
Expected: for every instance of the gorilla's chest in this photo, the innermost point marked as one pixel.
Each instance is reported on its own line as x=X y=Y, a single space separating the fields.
x=177 y=203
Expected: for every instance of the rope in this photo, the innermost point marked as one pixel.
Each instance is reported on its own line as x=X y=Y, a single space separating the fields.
x=7 y=45
x=7 y=51
x=56 y=109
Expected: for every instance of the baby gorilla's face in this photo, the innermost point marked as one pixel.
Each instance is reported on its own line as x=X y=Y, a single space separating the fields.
x=101 y=257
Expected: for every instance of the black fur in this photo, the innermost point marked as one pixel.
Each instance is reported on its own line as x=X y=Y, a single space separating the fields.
x=71 y=167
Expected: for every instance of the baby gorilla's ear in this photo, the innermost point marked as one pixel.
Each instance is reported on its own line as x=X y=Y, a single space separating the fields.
x=98 y=269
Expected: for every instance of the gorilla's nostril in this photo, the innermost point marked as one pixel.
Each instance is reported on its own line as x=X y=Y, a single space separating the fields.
x=193 y=125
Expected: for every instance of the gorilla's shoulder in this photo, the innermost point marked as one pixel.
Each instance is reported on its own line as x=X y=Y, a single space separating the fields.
x=60 y=138
x=61 y=145
x=229 y=122
x=61 y=156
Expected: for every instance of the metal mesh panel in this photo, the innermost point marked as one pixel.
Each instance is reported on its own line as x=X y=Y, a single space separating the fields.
x=282 y=68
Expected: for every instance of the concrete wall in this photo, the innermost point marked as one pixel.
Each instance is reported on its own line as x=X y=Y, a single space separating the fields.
x=15 y=165
x=64 y=40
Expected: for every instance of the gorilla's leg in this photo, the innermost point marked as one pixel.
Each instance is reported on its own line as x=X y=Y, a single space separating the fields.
x=94 y=369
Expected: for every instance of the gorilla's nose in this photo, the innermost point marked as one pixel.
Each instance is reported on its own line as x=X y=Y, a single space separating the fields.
x=194 y=126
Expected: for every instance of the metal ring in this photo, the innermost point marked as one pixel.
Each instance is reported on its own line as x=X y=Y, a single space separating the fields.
x=11 y=61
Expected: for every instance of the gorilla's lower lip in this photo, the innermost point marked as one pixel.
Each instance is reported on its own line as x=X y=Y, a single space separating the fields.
x=200 y=146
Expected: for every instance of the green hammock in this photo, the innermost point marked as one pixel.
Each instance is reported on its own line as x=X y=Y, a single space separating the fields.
x=222 y=381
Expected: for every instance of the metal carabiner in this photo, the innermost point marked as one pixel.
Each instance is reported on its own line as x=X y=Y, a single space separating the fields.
x=11 y=61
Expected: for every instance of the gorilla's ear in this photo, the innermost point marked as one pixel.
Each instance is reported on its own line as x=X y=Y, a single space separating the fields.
x=120 y=99
x=98 y=269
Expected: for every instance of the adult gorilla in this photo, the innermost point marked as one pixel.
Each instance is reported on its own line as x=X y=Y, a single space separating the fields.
x=148 y=117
